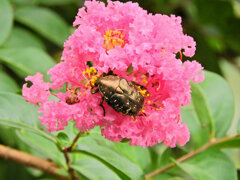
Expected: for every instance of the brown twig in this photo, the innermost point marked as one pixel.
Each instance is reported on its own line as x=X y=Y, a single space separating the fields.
x=71 y=171
x=69 y=149
x=189 y=155
x=31 y=161
x=66 y=152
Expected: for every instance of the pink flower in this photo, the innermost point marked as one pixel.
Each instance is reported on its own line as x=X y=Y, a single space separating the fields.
x=119 y=36
x=39 y=91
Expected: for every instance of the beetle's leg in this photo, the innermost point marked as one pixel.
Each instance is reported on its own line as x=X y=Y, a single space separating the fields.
x=94 y=91
x=110 y=72
x=134 y=119
x=101 y=104
x=143 y=114
x=141 y=86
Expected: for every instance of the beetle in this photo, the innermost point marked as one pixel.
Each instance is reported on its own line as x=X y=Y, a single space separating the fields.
x=122 y=95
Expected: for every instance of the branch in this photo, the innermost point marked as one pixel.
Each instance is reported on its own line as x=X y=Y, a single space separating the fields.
x=69 y=149
x=66 y=152
x=30 y=160
x=189 y=155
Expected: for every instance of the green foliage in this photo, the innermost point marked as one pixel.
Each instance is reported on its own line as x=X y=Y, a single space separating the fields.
x=21 y=37
x=27 y=60
x=7 y=83
x=6 y=20
x=55 y=2
x=211 y=164
x=32 y=33
x=63 y=140
x=232 y=75
x=45 y=22
x=42 y=146
x=92 y=168
x=210 y=113
x=15 y=103
x=119 y=162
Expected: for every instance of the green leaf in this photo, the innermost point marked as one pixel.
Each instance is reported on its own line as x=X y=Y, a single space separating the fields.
x=199 y=134
x=92 y=168
x=202 y=108
x=114 y=159
x=165 y=176
x=13 y=107
x=221 y=103
x=232 y=75
x=23 y=2
x=162 y=176
x=231 y=143
x=136 y=154
x=21 y=37
x=56 y=2
x=6 y=20
x=63 y=139
x=17 y=113
x=8 y=136
x=70 y=130
x=7 y=84
x=43 y=146
x=215 y=99
x=44 y=21
x=211 y=165
x=165 y=158
x=27 y=61
x=194 y=171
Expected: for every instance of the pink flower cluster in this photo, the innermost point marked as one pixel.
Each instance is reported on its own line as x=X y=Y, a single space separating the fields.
x=118 y=36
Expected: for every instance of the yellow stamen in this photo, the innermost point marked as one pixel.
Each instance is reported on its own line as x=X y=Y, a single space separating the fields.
x=113 y=39
x=149 y=102
x=88 y=70
x=144 y=80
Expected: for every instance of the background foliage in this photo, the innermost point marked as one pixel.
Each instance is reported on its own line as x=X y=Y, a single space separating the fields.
x=32 y=33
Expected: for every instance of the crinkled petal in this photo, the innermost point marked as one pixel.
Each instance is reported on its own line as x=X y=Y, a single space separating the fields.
x=39 y=90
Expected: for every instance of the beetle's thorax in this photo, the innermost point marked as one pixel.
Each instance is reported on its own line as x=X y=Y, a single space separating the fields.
x=108 y=85
x=122 y=95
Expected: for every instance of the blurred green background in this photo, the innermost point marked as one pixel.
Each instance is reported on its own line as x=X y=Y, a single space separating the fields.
x=36 y=30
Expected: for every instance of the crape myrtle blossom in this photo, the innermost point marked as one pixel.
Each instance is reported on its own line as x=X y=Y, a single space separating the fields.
x=121 y=36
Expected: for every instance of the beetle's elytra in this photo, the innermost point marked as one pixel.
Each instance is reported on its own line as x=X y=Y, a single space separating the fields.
x=122 y=95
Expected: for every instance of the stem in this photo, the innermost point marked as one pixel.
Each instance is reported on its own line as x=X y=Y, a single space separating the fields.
x=66 y=152
x=70 y=148
x=189 y=155
x=30 y=160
